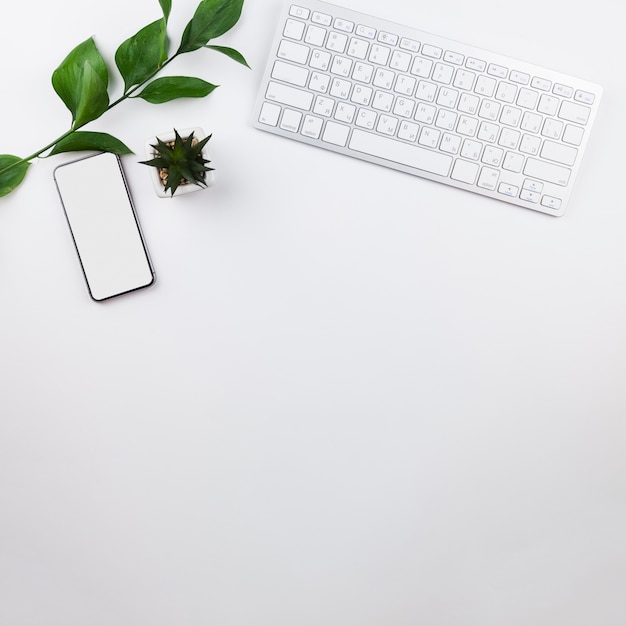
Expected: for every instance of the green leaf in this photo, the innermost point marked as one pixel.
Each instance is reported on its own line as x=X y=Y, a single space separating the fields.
x=81 y=81
x=82 y=140
x=211 y=19
x=230 y=52
x=166 y=5
x=173 y=87
x=12 y=172
x=141 y=56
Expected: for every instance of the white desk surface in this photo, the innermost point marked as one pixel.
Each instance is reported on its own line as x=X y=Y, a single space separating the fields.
x=352 y=398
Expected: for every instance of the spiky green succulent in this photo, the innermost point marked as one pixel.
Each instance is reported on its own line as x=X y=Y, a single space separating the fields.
x=181 y=161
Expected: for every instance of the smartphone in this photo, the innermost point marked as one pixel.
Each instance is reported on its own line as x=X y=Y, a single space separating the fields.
x=104 y=226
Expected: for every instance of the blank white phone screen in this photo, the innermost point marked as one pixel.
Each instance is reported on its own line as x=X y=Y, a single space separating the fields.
x=104 y=226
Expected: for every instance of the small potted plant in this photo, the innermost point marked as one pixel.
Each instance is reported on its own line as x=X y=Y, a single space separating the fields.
x=179 y=162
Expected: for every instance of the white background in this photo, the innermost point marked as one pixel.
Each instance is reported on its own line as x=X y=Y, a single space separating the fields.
x=352 y=398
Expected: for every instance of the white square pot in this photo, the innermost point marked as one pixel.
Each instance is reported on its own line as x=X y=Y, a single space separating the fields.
x=159 y=188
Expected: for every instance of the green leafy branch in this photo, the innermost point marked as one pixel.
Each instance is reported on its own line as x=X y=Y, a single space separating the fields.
x=82 y=80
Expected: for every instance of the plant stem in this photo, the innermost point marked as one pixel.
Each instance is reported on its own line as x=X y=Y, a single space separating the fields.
x=124 y=96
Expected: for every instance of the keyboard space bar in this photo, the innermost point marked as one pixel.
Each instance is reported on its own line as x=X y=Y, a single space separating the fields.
x=402 y=153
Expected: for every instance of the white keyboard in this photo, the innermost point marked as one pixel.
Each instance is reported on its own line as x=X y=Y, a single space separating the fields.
x=429 y=106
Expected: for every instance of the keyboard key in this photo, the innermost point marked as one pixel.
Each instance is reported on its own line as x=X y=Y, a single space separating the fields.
x=443 y=73
x=492 y=156
x=321 y=18
x=551 y=202
x=269 y=114
x=510 y=116
x=563 y=90
x=400 y=61
x=465 y=172
x=388 y=38
x=548 y=105
x=498 y=71
x=547 y=171
x=312 y=126
x=409 y=44
x=453 y=57
x=408 y=131
x=533 y=185
x=489 y=110
x=485 y=86
x=300 y=12
x=573 y=135
x=320 y=60
x=358 y=48
x=289 y=95
x=432 y=51
x=530 y=196
x=584 y=96
x=291 y=51
x=450 y=143
x=447 y=97
x=337 y=134
x=573 y=112
x=363 y=72
x=527 y=99
x=379 y=54
x=566 y=155
x=508 y=190
x=315 y=35
x=341 y=66
x=384 y=78
x=531 y=122
x=541 y=83
x=421 y=67
x=519 y=77
x=488 y=178
x=425 y=113
x=337 y=42
x=323 y=106
x=426 y=91
x=509 y=138
x=475 y=64
x=506 y=92
x=464 y=80
x=513 y=162
x=294 y=29
x=429 y=137
x=344 y=25
x=471 y=149
x=319 y=82
x=291 y=120
x=530 y=144
x=366 y=31
x=366 y=119
x=467 y=126
x=289 y=73
x=345 y=112
x=387 y=125
x=400 y=152
x=552 y=128
x=468 y=103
